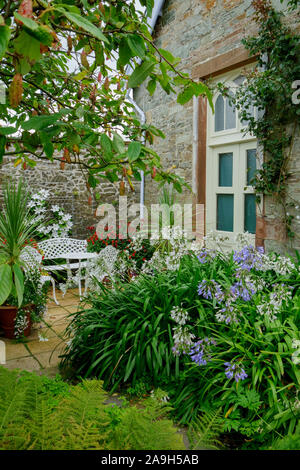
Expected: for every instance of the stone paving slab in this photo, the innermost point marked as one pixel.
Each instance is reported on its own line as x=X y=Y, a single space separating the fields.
x=35 y=355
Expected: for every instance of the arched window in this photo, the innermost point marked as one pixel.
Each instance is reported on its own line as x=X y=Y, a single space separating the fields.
x=225 y=114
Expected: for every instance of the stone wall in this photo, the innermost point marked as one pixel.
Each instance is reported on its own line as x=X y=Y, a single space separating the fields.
x=200 y=32
x=68 y=190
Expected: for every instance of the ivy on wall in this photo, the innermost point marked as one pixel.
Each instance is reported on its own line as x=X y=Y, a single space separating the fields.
x=268 y=88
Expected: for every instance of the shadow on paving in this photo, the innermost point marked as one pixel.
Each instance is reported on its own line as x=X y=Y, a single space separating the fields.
x=41 y=350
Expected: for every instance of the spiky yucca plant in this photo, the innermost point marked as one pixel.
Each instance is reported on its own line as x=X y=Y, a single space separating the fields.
x=16 y=226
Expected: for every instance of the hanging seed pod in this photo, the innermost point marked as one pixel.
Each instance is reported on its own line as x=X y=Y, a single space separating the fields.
x=122 y=188
x=16 y=90
x=67 y=155
x=99 y=77
x=24 y=165
x=70 y=44
x=124 y=171
x=79 y=94
x=75 y=148
x=62 y=164
x=84 y=60
x=106 y=83
x=93 y=95
x=153 y=173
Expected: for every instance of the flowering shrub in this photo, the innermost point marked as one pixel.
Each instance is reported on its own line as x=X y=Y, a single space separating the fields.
x=214 y=329
x=54 y=221
x=134 y=251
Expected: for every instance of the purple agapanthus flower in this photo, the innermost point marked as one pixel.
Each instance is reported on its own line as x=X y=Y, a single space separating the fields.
x=211 y=289
x=200 y=353
x=243 y=289
x=248 y=258
x=203 y=257
x=235 y=371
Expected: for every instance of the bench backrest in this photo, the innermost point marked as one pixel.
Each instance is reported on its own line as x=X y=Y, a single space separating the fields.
x=60 y=247
x=31 y=257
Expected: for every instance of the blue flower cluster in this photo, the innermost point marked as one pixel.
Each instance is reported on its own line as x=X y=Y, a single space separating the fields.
x=243 y=289
x=234 y=370
x=210 y=289
x=249 y=258
x=200 y=352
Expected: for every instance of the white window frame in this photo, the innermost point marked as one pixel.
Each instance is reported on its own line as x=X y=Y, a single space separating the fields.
x=235 y=141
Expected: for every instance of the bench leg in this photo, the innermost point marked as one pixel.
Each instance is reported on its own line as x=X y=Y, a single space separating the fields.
x=54 y=294
x=79 y=280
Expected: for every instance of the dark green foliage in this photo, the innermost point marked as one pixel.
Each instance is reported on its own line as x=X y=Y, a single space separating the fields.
x=289 y=442
x=127 y=333
x=37 y=413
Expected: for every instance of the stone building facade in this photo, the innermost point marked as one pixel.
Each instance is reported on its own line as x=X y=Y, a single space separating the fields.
x=206 y=35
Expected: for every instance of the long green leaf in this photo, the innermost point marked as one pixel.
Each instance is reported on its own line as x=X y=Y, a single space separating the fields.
x=6 y=282
x=19 y=283
x=140 y=74
x=85 y=24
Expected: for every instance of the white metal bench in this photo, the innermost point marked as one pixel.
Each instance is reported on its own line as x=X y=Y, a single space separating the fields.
x=32 y=259
x=68 y=249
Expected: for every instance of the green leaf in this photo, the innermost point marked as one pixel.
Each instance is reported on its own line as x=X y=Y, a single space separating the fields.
x=151 y=86
x=118 y=144
x=125 y=53
x=7 y=130
x=137 y=45
x=19 y=283
x=167 y=55
x=6 y=282
x=2 y=147
x=134 y=150
x=106 y=143
x=85 y=24
x=29 y=49
x=140 y=74
x=40 y=122
x=185 y=95
x=4 y=39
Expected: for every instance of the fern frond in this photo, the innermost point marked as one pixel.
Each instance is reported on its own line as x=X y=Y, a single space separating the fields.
x=205 y=430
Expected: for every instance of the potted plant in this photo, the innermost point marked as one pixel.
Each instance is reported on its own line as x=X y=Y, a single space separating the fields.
x=17 y=226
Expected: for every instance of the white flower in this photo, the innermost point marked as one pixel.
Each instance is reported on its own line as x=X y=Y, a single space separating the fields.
x=179 y=315
x=42 y=338
x=55 y=208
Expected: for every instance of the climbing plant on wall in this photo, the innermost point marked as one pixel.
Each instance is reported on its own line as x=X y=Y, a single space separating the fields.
x=269 y=89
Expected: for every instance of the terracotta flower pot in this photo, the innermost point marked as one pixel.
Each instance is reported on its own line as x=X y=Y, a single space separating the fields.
x=8 y=314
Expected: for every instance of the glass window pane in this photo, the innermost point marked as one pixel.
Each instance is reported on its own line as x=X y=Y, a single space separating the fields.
x=251 y=165
x=219 y=114
x=225 y=212
x=250 y=213
x=230 y=115
x=225 y=169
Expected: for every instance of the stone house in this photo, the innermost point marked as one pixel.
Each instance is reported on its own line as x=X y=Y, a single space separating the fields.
x=209 y=150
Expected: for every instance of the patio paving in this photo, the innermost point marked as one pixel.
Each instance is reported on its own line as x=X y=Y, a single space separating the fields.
x=36 y=355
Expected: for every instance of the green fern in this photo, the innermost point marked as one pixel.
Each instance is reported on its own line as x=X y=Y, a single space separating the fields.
x=80 y=421
x=146 y=428
x=205 y=430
